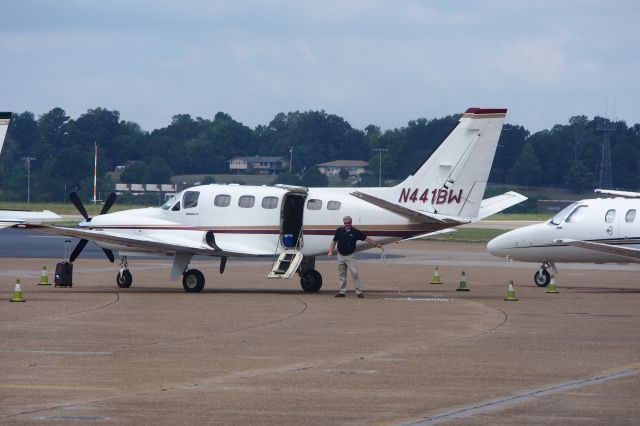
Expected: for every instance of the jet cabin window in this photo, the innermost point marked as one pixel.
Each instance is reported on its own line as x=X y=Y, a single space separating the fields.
x=610 y=216
x=314 y=204
x=269 y=202
x=190 y=199
x=577 y=215
x=222 y=200
x=246 y=201
x=630 y=216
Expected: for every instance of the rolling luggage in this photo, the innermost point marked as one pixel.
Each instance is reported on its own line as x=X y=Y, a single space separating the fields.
x=64 y=269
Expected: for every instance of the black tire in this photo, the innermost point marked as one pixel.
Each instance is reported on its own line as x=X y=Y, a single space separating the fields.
x=311 y=280
x=542 y=278
x=193 y=281
x=125 y=279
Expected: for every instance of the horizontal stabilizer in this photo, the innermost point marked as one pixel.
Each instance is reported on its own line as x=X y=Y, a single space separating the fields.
x=625 y=194
x=414 y=215
x=493 y=205
x=629 y=252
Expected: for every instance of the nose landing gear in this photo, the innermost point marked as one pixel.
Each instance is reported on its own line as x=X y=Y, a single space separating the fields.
x=124 y=279
x=542 y=277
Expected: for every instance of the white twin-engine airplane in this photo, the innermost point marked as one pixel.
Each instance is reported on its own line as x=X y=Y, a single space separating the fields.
x=296 y=224
x=600 y=230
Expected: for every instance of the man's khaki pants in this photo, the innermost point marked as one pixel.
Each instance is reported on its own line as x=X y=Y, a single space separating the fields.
x=349 y=262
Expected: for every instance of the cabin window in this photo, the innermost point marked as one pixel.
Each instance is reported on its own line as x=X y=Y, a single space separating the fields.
x=269 y=202
x=314 y=204
x=176 y=207
x=246 y=201
x=630 y=216
x=222 y=200
x=577 y=215
x=190 y=199
x=333 y=205
x=610 y=216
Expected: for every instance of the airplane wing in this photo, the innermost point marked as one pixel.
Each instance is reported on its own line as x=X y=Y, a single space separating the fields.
x=632 y=253
x=498 y=203
x=168 y=244
x=414 y=215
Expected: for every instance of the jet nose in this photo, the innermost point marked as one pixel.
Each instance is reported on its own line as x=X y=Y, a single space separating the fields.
x=499 y=246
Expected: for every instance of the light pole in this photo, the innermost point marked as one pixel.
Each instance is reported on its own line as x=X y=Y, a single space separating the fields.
x=380 y=150
x=27 y=162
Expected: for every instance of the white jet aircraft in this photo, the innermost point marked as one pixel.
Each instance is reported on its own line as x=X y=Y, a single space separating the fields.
x=11 y=217
x=295 y=224
x=599 y=230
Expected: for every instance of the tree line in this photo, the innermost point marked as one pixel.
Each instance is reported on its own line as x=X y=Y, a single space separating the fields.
x=564 y=156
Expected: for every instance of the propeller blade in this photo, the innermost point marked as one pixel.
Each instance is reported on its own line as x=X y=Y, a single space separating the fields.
x=223 y=264
x=107 y=204
x=78 y=203
x=109 y=254
x=78 y=250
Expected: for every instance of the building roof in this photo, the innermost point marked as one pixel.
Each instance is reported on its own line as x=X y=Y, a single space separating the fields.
x=258 y=159
x=344 y=163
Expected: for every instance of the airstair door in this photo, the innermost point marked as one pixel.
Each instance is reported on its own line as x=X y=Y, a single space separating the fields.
x=291 y=236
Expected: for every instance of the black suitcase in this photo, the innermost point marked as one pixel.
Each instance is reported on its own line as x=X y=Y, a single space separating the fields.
x=64 y=274
x=64 y=270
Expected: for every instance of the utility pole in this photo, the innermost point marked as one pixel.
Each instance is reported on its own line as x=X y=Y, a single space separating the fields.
x=27 y=162
x=290 y=159
x=380 y=150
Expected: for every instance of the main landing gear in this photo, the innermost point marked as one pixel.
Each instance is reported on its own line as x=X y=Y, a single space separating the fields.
x=192 y=279
x=542 y=277
x=310 y=279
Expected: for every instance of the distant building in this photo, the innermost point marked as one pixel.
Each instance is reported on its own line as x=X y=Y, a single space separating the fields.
x=258 y=165
x=166 y=189
x=354 y=167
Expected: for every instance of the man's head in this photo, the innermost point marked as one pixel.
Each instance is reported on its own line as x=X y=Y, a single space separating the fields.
x=347 y=222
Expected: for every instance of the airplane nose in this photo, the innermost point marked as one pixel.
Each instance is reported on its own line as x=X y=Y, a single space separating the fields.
x=498 y=246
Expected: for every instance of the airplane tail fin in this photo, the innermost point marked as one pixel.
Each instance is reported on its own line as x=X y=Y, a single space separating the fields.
x=451 y=182
x=5 y=118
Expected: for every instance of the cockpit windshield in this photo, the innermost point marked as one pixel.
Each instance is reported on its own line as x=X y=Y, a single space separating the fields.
x=171 y=201
x=562 y=214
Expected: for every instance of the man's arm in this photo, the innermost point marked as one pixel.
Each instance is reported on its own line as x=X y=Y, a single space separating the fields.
x=332 y=246
x=372 y=242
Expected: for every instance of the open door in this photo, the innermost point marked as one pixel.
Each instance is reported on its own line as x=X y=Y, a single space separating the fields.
x=290 y=235
x=291 y=215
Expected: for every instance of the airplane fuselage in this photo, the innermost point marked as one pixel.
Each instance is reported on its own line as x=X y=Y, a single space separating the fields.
x=260 y=217
x=613 y=221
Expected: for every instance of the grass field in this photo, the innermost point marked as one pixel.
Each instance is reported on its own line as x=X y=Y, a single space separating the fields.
x=469 y=235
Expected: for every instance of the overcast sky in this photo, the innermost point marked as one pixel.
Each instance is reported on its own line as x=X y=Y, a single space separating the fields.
x=370 y=62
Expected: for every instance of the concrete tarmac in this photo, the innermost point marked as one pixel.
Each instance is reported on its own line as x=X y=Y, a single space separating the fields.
x=248 y=350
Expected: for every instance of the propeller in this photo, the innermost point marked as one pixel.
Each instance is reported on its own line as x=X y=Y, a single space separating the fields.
x=75 y=199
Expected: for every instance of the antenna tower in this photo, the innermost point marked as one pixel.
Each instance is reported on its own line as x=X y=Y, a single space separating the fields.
x=605 y=180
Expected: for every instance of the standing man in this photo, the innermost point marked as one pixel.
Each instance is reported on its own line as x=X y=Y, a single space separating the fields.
x=346 y=237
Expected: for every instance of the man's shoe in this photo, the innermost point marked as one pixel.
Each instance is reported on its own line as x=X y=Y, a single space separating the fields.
x=338 y=294
x=360 y=295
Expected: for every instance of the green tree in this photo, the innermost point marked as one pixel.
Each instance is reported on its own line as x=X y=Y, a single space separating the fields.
x=579 y=177
x=526 y=170
x=314 y=178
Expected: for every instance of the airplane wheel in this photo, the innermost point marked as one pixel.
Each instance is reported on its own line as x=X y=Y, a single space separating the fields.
x=311 y=280
x=542 y=278
x=125 y=279
x=193 y=281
